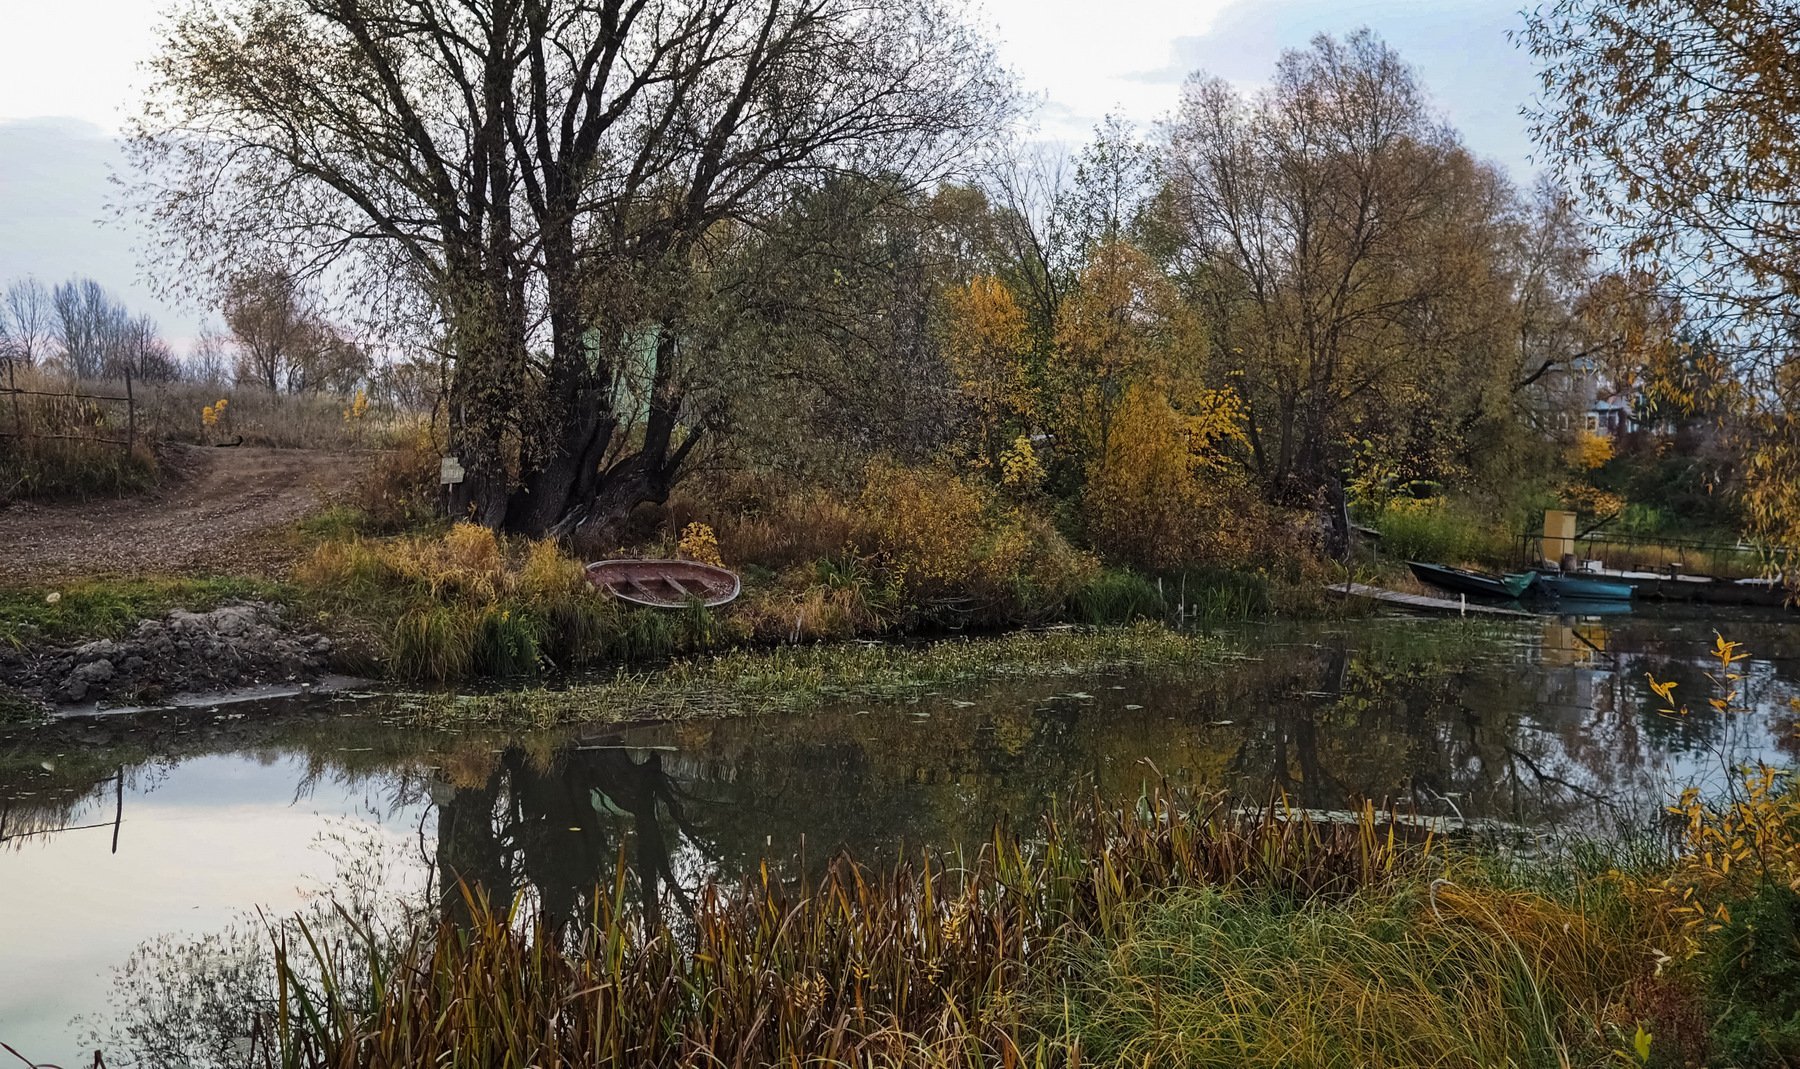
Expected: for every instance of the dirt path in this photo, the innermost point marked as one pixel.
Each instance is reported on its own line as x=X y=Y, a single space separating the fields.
x=219 y=514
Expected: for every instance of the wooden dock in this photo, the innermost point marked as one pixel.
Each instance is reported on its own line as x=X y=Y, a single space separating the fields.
x=1420 y=601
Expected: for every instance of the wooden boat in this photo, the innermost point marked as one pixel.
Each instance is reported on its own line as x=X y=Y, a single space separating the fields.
x=1565 y=587
x=1477 y=584
x=664 y=584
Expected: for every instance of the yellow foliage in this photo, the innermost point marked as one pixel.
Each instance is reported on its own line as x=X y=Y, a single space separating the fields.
x=986 y=344
x=1158 y=495
x=1020 y=468
x=213 y=413
x=945 y=542
x=358 y=408
x=1124 y=325
x=924 y=522
x=1591 y=500
x=1591 y=450
x=699 y=543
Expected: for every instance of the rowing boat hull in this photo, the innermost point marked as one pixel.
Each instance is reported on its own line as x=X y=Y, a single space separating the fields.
x=664 y=584
x=1477 y=584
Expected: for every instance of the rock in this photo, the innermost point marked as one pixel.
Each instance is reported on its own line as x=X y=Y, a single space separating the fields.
x=105 y=649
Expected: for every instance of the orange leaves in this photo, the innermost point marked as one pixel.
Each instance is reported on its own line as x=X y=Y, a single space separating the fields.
x=1665 y=691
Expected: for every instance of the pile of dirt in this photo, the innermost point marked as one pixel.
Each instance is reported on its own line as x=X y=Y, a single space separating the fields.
x=237 y=645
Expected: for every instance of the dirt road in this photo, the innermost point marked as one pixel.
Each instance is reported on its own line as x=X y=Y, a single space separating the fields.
x=221 y=512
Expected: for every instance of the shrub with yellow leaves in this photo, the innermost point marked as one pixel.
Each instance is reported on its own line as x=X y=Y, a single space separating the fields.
x=699 y=543
x=1591 y=450
x=948 y=547
x=1159 y=495
x=1020 y=468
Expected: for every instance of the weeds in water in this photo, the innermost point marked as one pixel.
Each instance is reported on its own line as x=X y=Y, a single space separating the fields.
x=1118 y=597
x=750 y=681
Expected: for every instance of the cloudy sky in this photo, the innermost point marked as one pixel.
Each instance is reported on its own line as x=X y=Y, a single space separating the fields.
x=69 y=75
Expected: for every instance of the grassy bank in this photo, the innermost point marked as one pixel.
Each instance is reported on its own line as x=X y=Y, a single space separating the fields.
x=1156 y=932
x=87 y=609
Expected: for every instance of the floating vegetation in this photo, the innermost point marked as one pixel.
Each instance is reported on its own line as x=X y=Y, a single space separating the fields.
x=750 y=681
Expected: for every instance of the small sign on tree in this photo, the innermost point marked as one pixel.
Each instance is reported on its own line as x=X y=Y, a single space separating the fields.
x=450 y=471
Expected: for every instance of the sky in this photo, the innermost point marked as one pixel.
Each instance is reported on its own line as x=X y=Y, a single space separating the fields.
x=69 y=77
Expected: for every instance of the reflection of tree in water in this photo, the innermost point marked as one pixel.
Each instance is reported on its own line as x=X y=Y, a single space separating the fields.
x=561 y=827
x=1326 y=725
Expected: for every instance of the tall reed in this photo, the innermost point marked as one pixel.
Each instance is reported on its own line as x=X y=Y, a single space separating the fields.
x=930 y=962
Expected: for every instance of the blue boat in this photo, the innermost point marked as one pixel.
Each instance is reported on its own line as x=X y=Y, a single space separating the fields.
x=1563 y=586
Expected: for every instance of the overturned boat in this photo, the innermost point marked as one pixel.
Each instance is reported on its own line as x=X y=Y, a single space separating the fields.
x=664 y=583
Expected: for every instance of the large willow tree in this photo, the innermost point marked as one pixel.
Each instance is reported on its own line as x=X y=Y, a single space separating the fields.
x=550 y=185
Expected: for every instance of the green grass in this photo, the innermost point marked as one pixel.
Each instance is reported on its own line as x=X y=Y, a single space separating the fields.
x=1445 y=533
x=87 y=609
x=1116 y=596
x=789 y=677
x=1211 y=977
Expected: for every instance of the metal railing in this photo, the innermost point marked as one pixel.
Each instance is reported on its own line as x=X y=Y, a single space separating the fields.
x=1654 y=553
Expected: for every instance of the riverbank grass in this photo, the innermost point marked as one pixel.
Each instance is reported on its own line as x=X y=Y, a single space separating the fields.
x=1156 y=931
x=82 y=610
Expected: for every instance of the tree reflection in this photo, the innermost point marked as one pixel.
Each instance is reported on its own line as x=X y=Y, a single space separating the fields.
x=561 y=828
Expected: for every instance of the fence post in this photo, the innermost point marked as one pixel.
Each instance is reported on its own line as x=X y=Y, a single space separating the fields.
x=12 y=383
x=130 y=415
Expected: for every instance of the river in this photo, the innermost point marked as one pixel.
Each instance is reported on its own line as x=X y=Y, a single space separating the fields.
x=136 y=848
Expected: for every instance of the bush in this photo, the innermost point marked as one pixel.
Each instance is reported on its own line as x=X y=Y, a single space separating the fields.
x=954 y=553
x=1151 y=501
x=1440 y=532
x=1754 y=979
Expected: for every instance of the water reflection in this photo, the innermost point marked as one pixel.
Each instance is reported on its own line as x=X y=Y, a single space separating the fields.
x=1547 y=723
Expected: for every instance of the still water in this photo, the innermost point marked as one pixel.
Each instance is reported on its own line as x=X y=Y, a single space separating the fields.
x=131 y=844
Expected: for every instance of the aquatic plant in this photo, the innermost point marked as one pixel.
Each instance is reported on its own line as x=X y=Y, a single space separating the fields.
x=741 y=681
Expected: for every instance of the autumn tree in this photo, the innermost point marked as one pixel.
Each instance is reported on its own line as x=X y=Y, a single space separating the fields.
x=987 y=344
x=1677 y=122
x=546 y=186
x=1340 y=246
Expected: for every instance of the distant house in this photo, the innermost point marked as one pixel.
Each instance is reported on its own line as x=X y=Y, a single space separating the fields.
x=1582 y=398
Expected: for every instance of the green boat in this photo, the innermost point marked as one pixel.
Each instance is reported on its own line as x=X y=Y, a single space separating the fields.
x=1475 y=584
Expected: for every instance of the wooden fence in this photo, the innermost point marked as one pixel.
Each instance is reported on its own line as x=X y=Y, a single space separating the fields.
x=16 y=396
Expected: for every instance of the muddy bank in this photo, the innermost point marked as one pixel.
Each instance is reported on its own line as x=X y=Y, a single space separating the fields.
x=244 y=644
